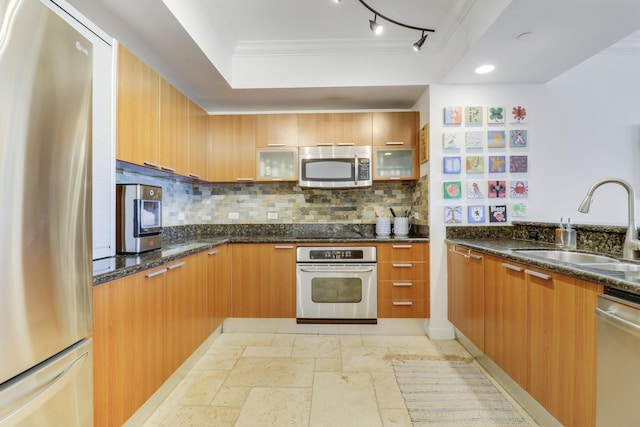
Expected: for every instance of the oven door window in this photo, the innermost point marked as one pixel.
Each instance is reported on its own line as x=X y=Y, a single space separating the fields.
x=336 y=290
x=148 y=217
x=328 y=169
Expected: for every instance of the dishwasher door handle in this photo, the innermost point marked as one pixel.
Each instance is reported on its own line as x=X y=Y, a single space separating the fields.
x=610 y=317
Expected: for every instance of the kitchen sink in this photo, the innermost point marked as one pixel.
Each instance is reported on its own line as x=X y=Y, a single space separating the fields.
x=625 y=267
x=566 y=256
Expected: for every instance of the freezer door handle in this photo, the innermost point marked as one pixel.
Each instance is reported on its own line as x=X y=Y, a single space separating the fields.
x=30 y=400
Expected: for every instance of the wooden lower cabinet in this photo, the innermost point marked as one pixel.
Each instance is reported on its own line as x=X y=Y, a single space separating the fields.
x=539 y=327
x=505 y=316
x=264 y=280
x=185 y=310
x=465 y=269
x=562 y=332
x=145 y=326
x=403 y=278
x=129 y=327
x=218 y=262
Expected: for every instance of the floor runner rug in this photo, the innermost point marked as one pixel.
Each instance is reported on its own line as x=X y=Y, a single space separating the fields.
x=453 y=393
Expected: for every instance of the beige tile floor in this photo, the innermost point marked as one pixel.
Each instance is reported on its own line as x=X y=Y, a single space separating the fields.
x=271 y=379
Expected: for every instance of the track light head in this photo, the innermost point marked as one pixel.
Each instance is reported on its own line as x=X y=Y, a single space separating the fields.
x=418 y=45
x=375 y=27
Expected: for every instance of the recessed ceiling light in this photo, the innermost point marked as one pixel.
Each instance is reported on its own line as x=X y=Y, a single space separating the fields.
x=483 y=69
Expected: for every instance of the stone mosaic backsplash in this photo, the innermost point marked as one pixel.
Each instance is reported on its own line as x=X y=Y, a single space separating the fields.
x=185 y=203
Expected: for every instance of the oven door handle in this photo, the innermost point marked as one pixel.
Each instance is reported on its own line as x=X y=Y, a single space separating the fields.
x=346 y=270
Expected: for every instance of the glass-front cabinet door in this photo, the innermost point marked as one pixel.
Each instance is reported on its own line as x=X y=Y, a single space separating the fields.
x=395 y=163
x=277 y=165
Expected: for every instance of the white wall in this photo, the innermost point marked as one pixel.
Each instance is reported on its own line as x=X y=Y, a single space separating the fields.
x=583 y=126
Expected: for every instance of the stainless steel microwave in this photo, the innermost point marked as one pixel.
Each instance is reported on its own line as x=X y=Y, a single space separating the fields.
x=335 y=166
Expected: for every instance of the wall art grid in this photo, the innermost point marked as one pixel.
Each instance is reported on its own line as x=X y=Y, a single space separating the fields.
x=485 y=164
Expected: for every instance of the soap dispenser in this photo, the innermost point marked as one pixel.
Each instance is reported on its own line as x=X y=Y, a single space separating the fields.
x=569 y=236
x=560 y=234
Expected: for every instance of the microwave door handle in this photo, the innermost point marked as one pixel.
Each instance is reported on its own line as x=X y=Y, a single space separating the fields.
x=356 y=172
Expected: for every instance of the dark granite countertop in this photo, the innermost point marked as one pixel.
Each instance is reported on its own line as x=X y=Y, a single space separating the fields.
x=508 y=248
x=118 y=266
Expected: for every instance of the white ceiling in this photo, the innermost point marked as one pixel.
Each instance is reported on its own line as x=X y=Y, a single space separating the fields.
x=296 y=55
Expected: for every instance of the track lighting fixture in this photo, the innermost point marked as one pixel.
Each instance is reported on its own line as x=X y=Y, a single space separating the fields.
x=376 y=27
x=418 y=45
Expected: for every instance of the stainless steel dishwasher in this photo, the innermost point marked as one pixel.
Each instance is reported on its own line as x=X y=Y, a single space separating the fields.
x=618 y=359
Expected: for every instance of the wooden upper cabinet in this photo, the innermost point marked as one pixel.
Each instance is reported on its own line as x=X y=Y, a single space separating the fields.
x=276 y=130
x=174 y=129
x=138 y=106
x=197 y=165
x=334 y=129
x=395 y=128
x=231 y=148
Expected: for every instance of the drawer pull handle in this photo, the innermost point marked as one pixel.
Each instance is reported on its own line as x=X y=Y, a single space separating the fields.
x=402 y=303
x=402 y=284
x=156 y=273
x=402 y=246
x=194 y=175
x=275 y=145
x=512 y=267
x=284 y=246
x=244 y=179
x=213 y=252
x=536 y=274
x=402 y=265
x=174 y=266
x=168 y=168
x=394 y=143
x=345 y=144
x=467 y=255
x=152 y=164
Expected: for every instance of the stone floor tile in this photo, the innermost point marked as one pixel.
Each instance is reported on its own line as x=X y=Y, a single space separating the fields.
x=271 y=406
x=271 y=372
x=344 y=399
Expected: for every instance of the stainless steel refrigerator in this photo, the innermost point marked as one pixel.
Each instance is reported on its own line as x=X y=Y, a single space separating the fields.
x=45 y=219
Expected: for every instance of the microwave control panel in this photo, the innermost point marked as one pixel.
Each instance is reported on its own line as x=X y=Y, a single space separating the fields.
x=364 y=169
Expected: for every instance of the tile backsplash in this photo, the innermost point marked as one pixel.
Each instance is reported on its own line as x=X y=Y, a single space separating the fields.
x=185 y=203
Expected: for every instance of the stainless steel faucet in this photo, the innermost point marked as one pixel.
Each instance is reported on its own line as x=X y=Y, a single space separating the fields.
x=631 y=248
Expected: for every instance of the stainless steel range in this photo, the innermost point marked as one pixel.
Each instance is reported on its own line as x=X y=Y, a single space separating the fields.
x=336 y=284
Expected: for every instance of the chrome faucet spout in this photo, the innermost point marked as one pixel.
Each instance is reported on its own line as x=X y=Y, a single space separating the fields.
x=631 y=249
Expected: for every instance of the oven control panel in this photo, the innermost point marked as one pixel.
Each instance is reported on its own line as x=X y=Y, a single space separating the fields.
x=337 y=254
x=330 y=254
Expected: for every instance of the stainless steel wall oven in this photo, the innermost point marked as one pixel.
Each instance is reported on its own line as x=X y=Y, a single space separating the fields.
x=336 y=284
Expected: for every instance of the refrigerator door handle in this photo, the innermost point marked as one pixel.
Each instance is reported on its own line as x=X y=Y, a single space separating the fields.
x=31 y=400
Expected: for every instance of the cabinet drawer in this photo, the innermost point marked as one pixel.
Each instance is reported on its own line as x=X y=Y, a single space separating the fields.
x=402 y=308
x=402 y=252
x=402 y=289
x=402 y=270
